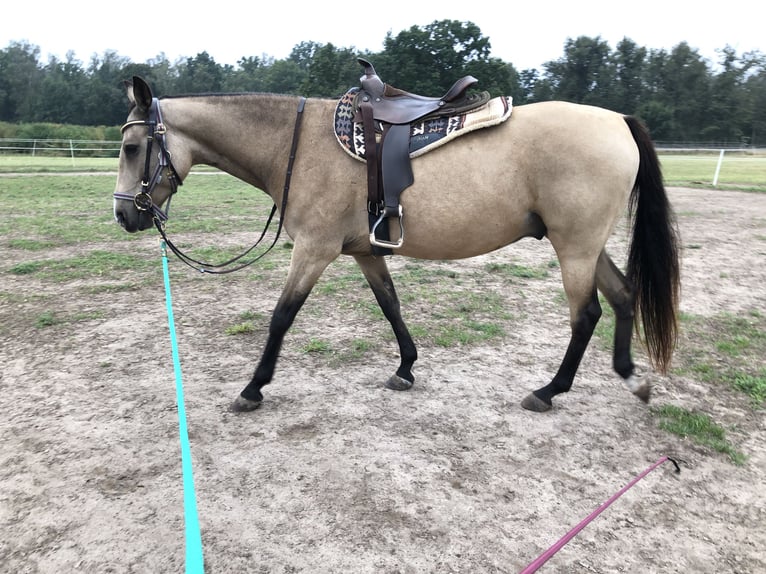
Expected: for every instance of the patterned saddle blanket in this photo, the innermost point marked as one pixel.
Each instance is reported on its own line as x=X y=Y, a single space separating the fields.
x=426 y=134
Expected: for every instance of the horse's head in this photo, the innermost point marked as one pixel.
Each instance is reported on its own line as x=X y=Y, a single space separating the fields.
x=147 y=177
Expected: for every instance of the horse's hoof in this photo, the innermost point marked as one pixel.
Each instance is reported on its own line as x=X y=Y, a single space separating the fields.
x=532 y=403
x=639 y=387
x=397 y=383
x=243 y=405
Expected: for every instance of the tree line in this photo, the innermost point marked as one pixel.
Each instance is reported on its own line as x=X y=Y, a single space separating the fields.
x=679 y=94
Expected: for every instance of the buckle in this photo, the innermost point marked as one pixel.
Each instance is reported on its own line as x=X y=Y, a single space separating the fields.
x=143 y=201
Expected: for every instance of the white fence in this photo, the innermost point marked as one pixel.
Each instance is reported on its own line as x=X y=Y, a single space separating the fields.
x=683 y=149
x=72 y=148
x=60 y=147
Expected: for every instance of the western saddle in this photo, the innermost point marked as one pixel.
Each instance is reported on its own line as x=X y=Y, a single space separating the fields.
x=386 y=114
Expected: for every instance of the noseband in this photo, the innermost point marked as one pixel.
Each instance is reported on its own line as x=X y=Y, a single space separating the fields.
x=143 y=198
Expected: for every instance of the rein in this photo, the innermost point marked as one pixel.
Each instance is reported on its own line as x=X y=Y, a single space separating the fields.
x=144 y=202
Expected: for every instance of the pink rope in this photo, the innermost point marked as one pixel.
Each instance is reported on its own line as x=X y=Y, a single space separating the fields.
x=548 y=554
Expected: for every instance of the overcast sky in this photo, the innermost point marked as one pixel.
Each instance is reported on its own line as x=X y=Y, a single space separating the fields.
x=526 y=34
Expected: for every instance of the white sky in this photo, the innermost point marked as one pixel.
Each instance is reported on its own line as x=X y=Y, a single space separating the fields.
x=526 y=34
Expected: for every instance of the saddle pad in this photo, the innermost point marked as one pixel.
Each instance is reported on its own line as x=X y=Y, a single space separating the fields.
x=424 y=135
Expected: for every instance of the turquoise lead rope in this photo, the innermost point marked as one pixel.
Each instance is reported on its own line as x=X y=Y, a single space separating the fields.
x=194 y=560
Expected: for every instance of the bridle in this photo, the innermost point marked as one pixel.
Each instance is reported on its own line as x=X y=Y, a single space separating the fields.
x=144 y=202
x=143 y=198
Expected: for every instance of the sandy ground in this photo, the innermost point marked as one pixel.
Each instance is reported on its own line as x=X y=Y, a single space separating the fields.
x=335 y=473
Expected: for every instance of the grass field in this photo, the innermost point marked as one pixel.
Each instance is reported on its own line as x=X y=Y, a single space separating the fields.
x=738 y=171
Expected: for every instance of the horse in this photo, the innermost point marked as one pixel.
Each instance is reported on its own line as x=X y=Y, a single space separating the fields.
x=555 y=170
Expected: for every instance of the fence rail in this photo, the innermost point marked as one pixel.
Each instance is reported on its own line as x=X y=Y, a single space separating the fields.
x=682 y=163
x=60 y=147
x=107 y=148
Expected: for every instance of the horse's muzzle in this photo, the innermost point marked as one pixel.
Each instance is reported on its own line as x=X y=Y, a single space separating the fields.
x=130 y=218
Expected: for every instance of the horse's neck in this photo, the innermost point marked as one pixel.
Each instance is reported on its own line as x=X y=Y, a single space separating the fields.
x=245 y=135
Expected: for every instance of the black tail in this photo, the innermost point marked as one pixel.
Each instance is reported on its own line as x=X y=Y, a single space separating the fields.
x=653 y=267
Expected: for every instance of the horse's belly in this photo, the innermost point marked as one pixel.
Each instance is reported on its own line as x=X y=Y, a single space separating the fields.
x=460 y=232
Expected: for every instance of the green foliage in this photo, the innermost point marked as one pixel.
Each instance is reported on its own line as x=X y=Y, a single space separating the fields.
x=519 y=271
x=726 y=349
x=680 y=95
x=240 y=329
x=699 y=428
x=317 y=346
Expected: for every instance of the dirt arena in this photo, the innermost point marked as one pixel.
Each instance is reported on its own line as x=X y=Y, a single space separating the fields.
x=336 y=474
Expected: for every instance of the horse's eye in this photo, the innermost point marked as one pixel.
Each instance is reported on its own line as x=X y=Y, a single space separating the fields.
x=130 y=149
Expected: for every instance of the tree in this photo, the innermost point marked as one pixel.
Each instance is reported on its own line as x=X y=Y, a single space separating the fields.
x=752 y=115
x=20 y=77
x=104 y=100
x=284 y=77
x=684 y=87
x=62 y=90
x=198 y=75
x=583 y=75
x=247 y=77
x=534 y=87
x=495 y=76
x=430 y=59
x=331 y=73
x=629 y=62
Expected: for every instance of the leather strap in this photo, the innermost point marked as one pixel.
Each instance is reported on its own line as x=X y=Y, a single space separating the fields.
x=374 y=196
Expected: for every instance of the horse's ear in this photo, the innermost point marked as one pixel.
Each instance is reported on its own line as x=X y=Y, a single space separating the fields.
x=139 y=93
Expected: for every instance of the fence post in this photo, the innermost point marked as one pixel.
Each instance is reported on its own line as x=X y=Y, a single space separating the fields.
x=718 y=168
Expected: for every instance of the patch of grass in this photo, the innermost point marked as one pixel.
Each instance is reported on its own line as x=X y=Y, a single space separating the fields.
x=87 y=316
x=250 y=316
x=725 y=349
x=30 y=244
x=353 y=351
x=699 y=428
x=519 y=271
x=604 y=332
x=26 y=267
x=110 y=288
x=753 y=386
x=467 y=332
x=341 y=283
x=318 y=346
x=49 y=318
x=240 y=329
x=93 y=264
x=245 y=325
x=50 y=209
x=46 y=319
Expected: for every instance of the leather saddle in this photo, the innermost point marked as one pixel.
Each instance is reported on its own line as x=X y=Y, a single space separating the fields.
x=386 y=114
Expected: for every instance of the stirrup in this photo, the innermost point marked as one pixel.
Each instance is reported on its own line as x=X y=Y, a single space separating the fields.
x=382 y=242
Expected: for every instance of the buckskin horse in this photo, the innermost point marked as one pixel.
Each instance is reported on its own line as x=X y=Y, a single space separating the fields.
x=555 y=170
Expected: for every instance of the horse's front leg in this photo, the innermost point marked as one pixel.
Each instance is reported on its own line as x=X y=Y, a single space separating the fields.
x=376 y=272
x=306 y=266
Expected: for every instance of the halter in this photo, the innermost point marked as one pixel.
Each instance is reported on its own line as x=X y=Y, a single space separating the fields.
x=143 y=199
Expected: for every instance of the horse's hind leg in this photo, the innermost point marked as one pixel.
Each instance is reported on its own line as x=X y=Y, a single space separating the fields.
x=585 y=311
x=376 y=272
x=615 y=287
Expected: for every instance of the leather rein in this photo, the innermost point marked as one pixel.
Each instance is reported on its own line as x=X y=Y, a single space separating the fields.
x=143 y=200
